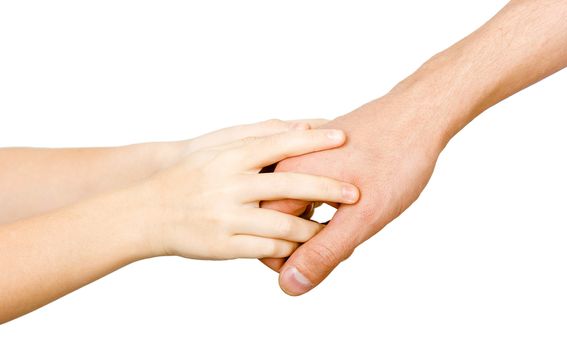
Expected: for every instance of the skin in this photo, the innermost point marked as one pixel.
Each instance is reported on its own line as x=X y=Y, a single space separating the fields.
x=395 y=141
x=205 y=206
x=35 y=181
x=393 y=144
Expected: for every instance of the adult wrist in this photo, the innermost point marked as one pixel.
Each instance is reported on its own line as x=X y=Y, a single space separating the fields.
x=448 y=92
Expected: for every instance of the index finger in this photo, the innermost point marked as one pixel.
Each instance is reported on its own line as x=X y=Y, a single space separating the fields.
x=256 y=153
x=313 y=261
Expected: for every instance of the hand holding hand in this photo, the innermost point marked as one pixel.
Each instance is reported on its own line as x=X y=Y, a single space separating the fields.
x=207 y=207
x=390 y=154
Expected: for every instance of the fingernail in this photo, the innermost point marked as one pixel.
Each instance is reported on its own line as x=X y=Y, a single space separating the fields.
x=294 y=282
x=336 y=135
x=350 y=194
x=300 y=126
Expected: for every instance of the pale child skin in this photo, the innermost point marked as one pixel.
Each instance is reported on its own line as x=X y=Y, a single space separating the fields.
x=73 y=216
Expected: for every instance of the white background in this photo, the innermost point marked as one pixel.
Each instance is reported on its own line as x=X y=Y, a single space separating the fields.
x=477 y=263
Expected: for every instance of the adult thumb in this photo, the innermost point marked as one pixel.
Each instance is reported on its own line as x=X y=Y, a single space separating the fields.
x=313 y=261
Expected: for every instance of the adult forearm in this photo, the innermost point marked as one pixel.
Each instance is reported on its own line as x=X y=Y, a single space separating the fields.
x=34 y=181
x=394 y=141
x=524 y=43
x=46 y=257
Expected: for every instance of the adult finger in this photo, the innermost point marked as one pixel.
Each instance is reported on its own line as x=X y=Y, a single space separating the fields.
x=314 y=260
x=273 y=263
x=288 y=206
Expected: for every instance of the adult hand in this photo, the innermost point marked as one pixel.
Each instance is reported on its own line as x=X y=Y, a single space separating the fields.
x=391 y=149
x=394 y=142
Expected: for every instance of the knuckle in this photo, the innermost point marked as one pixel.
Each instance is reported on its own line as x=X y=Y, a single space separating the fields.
x=286 y=227
x=249 y=139
x=367 y=213
x=309 y=230
x=274 y=122
x=272 y=249
x=288 y=143
x=283 y=249
x=328 y=187
x=284 y=182
x=289 y=249
x=376 y=208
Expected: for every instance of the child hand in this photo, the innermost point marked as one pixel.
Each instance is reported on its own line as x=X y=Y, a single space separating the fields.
x=239 y=132
x=167 y=154
x=207 y=206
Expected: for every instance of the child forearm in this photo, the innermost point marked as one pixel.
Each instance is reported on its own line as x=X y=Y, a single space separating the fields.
x=34 y=181
x=48 y=256
x=207 y=206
